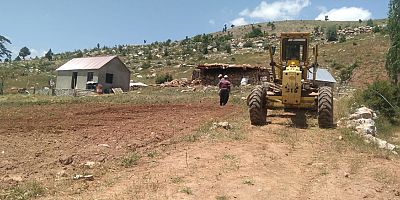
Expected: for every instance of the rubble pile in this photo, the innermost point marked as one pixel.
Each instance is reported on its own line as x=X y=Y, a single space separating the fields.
x=362 y=122
x=184 y=82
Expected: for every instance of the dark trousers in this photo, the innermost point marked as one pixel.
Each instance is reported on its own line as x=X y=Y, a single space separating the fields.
x=223 y=96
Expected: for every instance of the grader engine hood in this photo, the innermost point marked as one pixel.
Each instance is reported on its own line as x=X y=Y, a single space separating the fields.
x=323 y=78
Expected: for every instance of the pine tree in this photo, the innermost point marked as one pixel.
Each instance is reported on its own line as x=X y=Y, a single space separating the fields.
x=370 y=23
x=17 y=58
x=4 y=52
x=393 y=56
x=49 y=55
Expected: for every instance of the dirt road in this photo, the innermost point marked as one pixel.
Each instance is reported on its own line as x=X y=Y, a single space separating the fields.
x=273 y=162
x=279 y=161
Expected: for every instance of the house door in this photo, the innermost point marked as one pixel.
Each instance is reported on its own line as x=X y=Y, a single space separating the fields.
x=74 y=80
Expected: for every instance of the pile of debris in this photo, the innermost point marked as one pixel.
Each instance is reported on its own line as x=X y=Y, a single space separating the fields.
x=176 y=83
x=362 y=122
x=183 y=82
x=355 y=31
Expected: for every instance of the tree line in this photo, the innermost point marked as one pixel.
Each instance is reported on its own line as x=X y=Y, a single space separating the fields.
x=5 y=54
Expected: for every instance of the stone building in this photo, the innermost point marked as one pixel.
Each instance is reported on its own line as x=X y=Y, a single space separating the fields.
x=208 y=73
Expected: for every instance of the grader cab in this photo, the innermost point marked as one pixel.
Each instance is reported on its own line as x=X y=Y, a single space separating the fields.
x=293 y=84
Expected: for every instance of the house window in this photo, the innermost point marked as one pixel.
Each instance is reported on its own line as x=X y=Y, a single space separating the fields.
x=90 y=76
x=109 y=78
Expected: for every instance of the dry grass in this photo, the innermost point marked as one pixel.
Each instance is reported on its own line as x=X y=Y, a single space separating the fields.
x=150 y=95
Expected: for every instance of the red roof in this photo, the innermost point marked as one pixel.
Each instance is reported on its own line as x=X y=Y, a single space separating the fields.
x=86 y=63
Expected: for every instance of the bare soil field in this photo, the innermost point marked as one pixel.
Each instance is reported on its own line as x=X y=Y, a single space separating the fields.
x=39 y=142
x=178 y=154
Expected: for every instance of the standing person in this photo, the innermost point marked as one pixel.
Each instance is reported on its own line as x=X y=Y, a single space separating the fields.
x=224 y=88
x=220 y=77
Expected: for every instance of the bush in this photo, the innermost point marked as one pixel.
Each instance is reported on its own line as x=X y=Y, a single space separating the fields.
x=342 y=39
x=345 y=74
x=248 y=44
x=163 y=78
x=255 y=32
x=130 y=160
x=376 y=29
x=370 y=23
x=336 y=65
x=331 y=33
x=384 y=98
x=146 y=65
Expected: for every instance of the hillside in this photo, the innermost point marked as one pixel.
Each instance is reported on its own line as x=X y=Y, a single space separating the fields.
x=178 y=143
x=180 y=57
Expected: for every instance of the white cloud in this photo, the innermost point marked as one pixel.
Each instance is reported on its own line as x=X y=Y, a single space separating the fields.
x=345 y=14
x=277 y=10
x=239 y=21
x=211 y=21
x=38 y=53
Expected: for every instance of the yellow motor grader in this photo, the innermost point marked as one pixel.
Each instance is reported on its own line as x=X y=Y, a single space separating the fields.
x=294 y=83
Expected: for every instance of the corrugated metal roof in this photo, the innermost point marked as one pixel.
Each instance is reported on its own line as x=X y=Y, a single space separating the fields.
x=322 y=75
x=86 y=63
x=225 y=66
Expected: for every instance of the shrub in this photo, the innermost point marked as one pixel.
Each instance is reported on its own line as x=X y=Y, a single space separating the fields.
x=336 y=65
x=345 y=74
x=370 y=23
x=342 y=39
x=255 y=32
x=383 y=97
x=228 y=49
x=163 y=78
x=146 y=65
x=248 y=44
x=331 y=33
x=376 y=29
x=130 y=160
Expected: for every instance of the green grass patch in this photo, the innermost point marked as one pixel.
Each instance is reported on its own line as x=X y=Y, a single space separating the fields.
x=229 y=157
x=130 y=160
x=248 y=182
x=354 y=142
x=24 y=191
x=187 y=190
x=221 y=198
x=177 y=179
x=152 y=154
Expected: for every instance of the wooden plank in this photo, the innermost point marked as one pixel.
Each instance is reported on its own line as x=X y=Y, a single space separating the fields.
x=117 y=91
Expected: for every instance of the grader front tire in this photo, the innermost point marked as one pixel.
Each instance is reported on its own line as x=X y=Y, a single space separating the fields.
x=325 y=107
x=257 y=106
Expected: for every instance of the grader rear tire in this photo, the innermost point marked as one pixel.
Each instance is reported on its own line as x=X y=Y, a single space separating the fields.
x=325 y=107
x=256 y=102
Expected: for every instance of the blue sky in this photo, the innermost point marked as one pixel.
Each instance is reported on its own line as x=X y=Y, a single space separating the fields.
x=66 y=25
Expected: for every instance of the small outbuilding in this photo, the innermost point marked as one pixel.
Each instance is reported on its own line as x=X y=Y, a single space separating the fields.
x=208 y=73
x=83 y=73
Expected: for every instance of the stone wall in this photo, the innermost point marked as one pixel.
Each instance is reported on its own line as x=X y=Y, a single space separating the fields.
x=235 y=75
x=60 y=92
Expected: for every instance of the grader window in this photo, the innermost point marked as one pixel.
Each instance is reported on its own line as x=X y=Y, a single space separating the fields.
x=294 y=49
